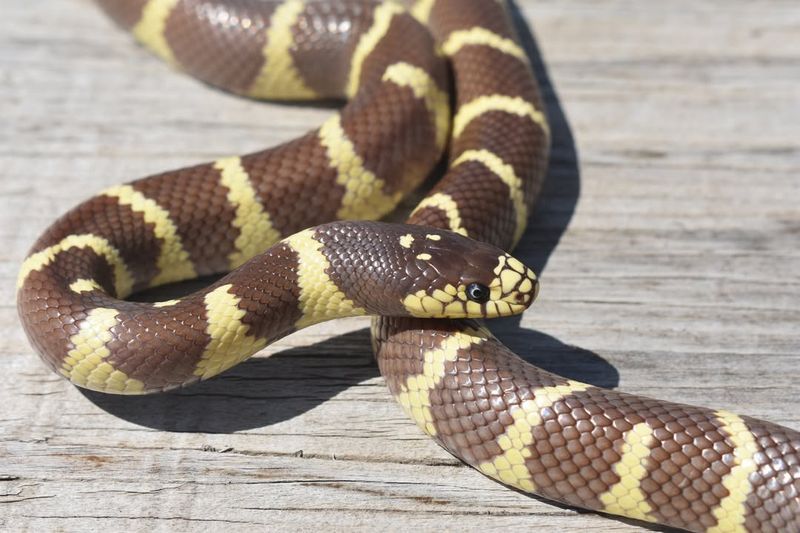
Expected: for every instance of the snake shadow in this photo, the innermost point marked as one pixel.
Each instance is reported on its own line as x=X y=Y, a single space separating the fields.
x=266 y=390
x=256 y=393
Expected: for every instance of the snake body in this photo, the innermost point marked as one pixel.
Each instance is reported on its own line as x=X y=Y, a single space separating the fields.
x=683 y=466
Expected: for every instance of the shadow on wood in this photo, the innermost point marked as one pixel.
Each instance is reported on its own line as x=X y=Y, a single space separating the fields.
x=266 y=390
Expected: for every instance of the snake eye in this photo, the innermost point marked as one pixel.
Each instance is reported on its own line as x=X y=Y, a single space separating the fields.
x=478 y=293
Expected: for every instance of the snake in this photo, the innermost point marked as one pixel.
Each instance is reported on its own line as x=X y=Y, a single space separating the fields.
x=426 y=85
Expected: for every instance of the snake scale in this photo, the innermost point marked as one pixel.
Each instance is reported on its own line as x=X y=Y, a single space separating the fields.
x=683 y=466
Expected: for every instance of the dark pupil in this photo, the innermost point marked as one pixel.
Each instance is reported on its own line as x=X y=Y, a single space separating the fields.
x=477 y=292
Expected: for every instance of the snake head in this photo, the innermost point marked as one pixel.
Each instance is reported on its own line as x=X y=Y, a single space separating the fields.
x=463 y=278
x=405 y=270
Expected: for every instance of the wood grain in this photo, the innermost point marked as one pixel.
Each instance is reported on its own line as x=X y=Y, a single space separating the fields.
x=668 y=238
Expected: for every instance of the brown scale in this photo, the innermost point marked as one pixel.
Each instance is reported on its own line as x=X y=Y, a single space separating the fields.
x=322 y=58
x=407 y=41
x=488 y=132
x=213 y=43
x=774 y=503
x=52 y=314
x=511 y=75
x=476 y=189
x=103 y=216
x=163 y=346
x=409 y=128
x=198 y=207
x=297 y=173
x=580 y=437
x=270 y=307
x=686 y=461
x=294 y=174
x=126 y=13
x=473 y=201
x=447 y=17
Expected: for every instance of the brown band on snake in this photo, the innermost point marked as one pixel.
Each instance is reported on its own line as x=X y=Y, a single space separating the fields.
x=299 y=170
x=445 y=19
x=104 y=217
x=774 y=502
x=369 y=139
x=323 y=59
x=191 y=197
x=513 y=74
x=143 y=350
x=45 y=324
x=259 y=317
x=126 y=14
x=196 y=33
x=487 y=193
x=482 y=131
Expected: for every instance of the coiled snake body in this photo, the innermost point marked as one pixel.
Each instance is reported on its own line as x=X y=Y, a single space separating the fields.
x=683 y=466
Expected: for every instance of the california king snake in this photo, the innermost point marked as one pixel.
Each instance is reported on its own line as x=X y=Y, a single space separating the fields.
x=683 y=466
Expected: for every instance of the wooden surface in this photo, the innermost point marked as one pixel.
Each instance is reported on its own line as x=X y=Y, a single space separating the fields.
x=668 y=238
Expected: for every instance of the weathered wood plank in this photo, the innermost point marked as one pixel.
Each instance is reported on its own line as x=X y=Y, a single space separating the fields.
x=676 y=273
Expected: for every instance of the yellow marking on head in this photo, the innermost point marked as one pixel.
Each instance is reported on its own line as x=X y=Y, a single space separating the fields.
x=382 y=17
x=626 y=497
x=497 y=102
x=123 y=280
x=406 y=240
x=320 y=298
x=174 y=263
x=414 y=394
x=256 y=232
x=442 y=296
x=501 y=264
x=166 y=303
x=516 y=264
x=433 y=237
x=230 y=342
x=730 y=513
x=506 y=173
x=84 y=285
x=84 y=364
x=440 y=304
x=526 y=285
x=424 y=87
x=518 y=437
x=424 y=257
x=150 y=28
x=422 y=304
x=481 y=36
x=509 y=280
x=421 y=10
x=445 y=203
x=363 y=196
x=279 y=78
